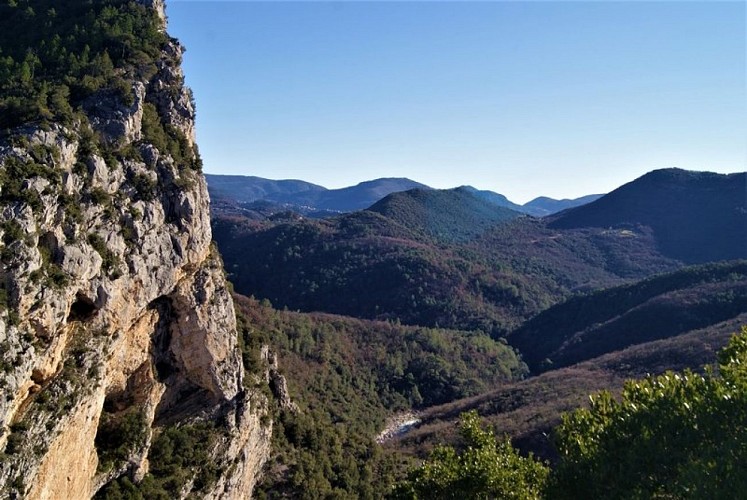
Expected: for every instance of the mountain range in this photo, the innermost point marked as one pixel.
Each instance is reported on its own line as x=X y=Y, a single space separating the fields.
x=450 y=258
x=247 y=194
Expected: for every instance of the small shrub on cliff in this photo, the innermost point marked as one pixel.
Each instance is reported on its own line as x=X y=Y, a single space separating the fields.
x=70 y=203
x=15 y=173
x=99 y=196
x=4 y=299
x=16 y=438
x=118 y=436
x=110 y=261
x=145 y=187
x=153 y=131
x=12 y=231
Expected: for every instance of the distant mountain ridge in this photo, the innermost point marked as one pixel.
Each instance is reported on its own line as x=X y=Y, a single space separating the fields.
x=493 y=197
x=304 y=196
x=543 y=205
x=318 y=201
x=247 y=189
x=362 y=195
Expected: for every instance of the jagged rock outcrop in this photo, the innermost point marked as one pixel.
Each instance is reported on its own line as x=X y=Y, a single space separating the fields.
x=115 y=321
x=277 y=381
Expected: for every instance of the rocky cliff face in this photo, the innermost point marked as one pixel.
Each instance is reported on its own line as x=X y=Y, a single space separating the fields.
x=116 y=327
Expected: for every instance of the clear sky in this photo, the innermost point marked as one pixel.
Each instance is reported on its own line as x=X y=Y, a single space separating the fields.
x=560 y=99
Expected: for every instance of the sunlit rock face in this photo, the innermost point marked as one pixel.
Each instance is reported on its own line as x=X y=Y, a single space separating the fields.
x=114 y=306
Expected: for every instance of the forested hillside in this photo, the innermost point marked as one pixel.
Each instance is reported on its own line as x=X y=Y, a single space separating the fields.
x=346 y=377
x=530 y=409
x=413 y=260
x=451 y=216
x=75 y=51
x=588 y=326
x=696 y=216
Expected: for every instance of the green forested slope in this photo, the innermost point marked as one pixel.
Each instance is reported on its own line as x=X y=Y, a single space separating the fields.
x=454 y=215
x=530 y=409
x=372 y=266
x=347 y=376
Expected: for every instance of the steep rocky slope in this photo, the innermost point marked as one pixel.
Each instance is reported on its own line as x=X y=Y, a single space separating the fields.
x=116 y=326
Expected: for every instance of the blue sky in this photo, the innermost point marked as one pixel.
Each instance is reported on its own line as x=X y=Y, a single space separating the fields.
x=526 y=99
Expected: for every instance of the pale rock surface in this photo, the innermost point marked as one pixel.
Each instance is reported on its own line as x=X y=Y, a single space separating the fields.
x=117 y=123
x=115 y=303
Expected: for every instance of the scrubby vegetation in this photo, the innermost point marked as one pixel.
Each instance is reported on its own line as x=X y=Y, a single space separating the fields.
x=14 y=176
x=118 y=436
x=179 y=457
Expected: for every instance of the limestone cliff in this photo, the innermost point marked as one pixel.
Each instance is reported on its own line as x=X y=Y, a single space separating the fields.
x=116 y=326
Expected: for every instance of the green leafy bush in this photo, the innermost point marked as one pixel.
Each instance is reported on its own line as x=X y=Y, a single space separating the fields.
x=671 y=436
x=484 y=468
